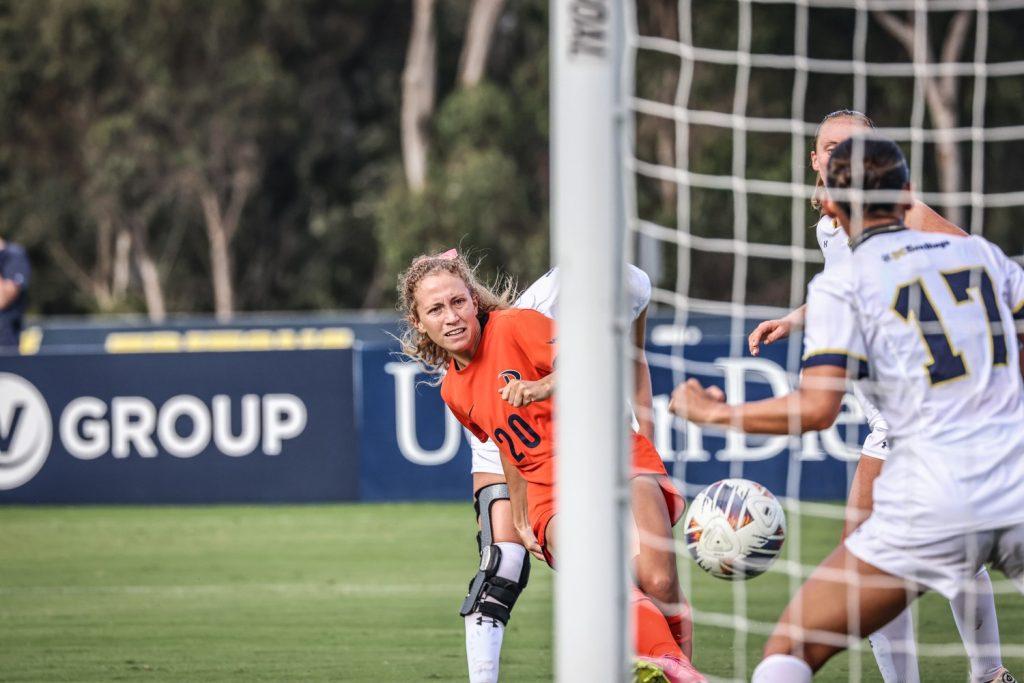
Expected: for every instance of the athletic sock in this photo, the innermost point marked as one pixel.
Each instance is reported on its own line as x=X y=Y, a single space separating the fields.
x=974 y=611
x=895 y=650
x=483 y=647
x=681 y=628
x=484 y=634
x=782 y=669
x=653 y=636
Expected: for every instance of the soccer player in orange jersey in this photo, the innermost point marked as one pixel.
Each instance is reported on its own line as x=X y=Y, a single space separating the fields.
x=458 y=327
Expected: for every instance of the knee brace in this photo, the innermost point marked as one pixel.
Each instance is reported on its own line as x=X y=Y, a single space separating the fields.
x=502 y=592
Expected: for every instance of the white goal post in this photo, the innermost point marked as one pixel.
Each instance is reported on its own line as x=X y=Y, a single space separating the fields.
x=589 y=237
x=687 y=138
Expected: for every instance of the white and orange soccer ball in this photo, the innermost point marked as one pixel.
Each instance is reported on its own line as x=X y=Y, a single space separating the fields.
x=735 y=529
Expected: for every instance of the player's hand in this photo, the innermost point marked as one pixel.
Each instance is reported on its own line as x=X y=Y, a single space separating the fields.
x=695 y=403
x=767 y=332
x=530 y=542
x=520 y=392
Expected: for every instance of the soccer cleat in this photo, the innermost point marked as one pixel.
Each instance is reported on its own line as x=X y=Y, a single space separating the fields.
x=645 y=671
x=665 y=669
x=1003 y=676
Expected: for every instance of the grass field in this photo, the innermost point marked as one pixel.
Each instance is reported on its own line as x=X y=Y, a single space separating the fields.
x=341 y=592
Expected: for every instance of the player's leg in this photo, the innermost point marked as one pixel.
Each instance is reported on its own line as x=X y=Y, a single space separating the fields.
x=1008 y=557
x=654 y=642
x=860 y=499
x=974 y=610
x=843 y=595
x=894 y=645
x=655 y=560
x=502 y=575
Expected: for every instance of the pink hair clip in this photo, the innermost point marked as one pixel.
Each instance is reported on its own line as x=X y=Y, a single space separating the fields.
x=449 y=255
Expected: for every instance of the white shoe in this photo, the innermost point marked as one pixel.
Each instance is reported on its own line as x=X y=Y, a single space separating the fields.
x=1003 y=676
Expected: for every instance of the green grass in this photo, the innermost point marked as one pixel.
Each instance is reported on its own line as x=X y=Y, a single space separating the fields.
x=345 y=592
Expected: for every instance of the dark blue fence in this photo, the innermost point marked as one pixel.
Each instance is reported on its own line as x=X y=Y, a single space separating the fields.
x=332 y=424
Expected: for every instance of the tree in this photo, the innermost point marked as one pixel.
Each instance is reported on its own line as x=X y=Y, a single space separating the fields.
x=941 y=91
x=418 y=83
x=483 y=17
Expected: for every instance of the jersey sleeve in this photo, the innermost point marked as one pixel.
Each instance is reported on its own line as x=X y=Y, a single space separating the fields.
x=832 y=335
x=638 y=287
x=535 y=335
x=1013 y=284
x=542 y=295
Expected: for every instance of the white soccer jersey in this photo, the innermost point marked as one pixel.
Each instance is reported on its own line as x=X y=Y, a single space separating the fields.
x=931 y=320
x=835 y=247
x=542 y=296
x=832 y=240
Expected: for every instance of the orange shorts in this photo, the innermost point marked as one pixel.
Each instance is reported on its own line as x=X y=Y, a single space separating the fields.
x=541 y=497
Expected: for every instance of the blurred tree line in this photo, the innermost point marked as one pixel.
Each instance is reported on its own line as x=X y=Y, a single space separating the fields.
x=185 y=155
x=946 y=103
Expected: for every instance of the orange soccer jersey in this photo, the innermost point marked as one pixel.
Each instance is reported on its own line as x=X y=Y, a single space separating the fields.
x=520 y=344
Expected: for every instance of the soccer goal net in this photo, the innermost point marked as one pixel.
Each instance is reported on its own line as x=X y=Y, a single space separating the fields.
x=723 y=99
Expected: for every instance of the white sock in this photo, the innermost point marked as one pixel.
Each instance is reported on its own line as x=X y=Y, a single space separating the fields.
x=483 y=647
x=484 y=634
x=974 y=611
x=895 y=650
x=782 y=669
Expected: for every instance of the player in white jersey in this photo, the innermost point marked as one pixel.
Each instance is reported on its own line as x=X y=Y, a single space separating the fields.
x=503 y=528
x=973 y=609
x=934 y=323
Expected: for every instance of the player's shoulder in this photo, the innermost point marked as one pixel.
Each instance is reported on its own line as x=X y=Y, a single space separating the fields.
x=827 y=225
x=980 y=243
x=837 y=280
x=449 y=386
x=638 y=287
x=511 y=317
x=542 y=294
x=455 y=386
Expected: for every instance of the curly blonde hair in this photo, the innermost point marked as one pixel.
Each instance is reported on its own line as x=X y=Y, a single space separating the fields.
x=419 y=346
x=860 y=117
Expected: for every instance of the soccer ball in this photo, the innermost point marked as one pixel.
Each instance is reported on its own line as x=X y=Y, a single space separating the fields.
x=735 y=529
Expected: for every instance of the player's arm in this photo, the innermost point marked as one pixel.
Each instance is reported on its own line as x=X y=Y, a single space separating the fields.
x=1020 y=352
x=519 y=392
x=14 y=279
x=520 y=509
x=1013 y=287
x=812 y=407
x=924 y=218
x=534 y=334
x=834 y=349
x=643 y=393
x=773 y=330
x=9 y=291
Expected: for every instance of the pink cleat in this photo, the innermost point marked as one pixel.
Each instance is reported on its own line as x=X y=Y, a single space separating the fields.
x=667 y=669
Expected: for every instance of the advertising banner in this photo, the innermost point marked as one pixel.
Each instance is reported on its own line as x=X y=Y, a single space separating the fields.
x=269 y=426
x=342 y=418
x=412 y=447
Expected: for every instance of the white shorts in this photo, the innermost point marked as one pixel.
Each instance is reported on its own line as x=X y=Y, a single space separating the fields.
x=945 y=563
x=876 y=444
x=486 y=458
